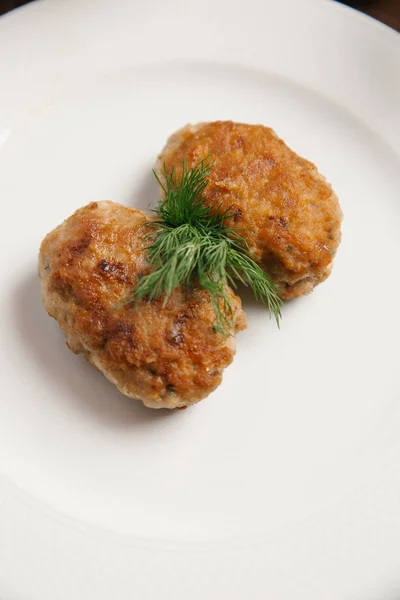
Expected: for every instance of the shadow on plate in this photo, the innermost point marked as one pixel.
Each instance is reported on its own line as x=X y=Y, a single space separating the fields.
x=78 y=388
x=147 y=192
x=247 y=297
x=249 y=301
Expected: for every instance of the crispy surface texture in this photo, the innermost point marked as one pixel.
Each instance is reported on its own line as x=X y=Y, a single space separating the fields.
x=286 y=210
x=168 y=357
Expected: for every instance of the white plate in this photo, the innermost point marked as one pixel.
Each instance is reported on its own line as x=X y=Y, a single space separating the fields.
x=284 y=483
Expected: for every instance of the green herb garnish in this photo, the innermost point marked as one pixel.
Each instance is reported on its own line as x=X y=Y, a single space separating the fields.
x=190 y=244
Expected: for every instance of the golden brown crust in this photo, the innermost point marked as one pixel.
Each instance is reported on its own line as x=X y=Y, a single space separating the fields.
x=286 y=210
x=166 y=356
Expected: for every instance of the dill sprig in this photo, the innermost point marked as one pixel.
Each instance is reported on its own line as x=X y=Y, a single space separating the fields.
x=190 y=244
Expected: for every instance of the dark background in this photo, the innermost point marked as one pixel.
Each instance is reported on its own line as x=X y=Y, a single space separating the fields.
x=387 y=11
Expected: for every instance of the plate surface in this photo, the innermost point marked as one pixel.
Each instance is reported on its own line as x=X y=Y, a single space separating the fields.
x=285 y=482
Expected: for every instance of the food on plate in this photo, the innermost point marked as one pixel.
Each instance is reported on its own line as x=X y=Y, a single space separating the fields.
x=283 y=207
x=189 y=243
x=147 y=298
x=165 y=351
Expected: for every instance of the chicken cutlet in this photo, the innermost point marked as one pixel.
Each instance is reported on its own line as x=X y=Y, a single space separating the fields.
x=167 y=356
x=284 y=208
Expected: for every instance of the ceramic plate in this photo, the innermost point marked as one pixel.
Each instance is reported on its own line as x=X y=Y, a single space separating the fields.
x=285 y=482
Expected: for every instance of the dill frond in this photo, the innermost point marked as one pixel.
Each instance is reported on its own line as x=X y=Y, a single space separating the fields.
x=190 y=244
